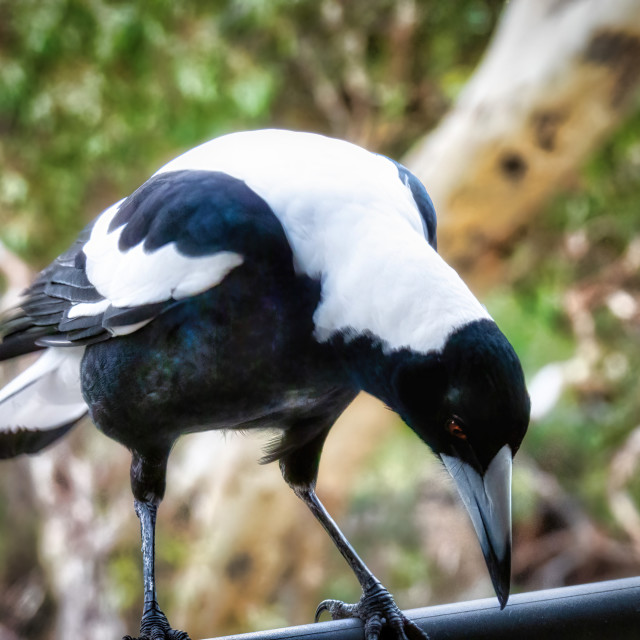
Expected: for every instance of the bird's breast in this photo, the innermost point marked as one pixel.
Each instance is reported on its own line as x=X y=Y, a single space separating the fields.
x=233 y=357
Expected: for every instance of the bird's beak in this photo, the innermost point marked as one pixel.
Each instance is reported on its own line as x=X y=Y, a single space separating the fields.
x=488 y=500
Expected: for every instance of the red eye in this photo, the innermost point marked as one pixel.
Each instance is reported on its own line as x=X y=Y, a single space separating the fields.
x=456 y=430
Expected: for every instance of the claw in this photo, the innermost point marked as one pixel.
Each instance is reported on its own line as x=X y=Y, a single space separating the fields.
x=398 y=627
x=155 y=626
x=376 y=609
x=413 y=631
x=161 y=634
x=337 y=610
x=322 y=607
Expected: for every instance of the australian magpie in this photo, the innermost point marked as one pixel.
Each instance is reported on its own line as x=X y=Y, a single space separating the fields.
x=260 y=280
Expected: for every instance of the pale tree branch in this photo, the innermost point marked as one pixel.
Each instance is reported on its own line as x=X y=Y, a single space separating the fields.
x=555 y=81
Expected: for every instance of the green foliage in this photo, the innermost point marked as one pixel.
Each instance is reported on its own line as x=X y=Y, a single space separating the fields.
x=94 y=96
x=535 y=323
x=124 y=574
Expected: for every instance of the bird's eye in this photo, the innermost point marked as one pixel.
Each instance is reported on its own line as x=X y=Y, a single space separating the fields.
x=454 y=428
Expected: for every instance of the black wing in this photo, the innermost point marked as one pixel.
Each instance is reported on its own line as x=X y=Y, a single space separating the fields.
x=423 y=202
x=199 y=214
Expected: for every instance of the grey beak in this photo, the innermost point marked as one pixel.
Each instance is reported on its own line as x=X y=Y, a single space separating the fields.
x=488 y=500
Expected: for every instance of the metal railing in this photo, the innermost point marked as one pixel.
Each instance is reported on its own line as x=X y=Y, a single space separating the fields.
x=598 y=611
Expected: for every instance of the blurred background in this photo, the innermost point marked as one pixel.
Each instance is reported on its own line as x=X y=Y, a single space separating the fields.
x=522 y=118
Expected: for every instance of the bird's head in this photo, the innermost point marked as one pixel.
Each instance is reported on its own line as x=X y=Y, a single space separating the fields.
x=469 y=403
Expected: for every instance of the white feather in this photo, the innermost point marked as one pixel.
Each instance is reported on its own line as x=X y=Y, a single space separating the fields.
x=129 y=328
x=47 y=394
x=350 y=220
x=408 y=295
x=137 y=277
x=353 y=224
x=88 y=309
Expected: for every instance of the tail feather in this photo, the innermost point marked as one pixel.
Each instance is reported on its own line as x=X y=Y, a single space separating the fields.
x=20 y=344
x=18 y=334
x=15 y=443
x=42 y=403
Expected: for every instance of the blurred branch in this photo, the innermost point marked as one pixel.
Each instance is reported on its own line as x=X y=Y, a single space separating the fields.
x=326 y=95
x=624 y=466
x=65 y=497
x=402 y=32
x=344 y=93
x=556 y=79
x=64 y=485
x=564 y=546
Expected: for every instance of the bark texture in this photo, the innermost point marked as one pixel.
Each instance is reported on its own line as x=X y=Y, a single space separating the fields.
x=558 y=77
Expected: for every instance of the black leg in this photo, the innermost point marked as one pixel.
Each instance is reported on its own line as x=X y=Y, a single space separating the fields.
x=360 y=569
x=299 y=460
x=154 y=624
x=376 y=607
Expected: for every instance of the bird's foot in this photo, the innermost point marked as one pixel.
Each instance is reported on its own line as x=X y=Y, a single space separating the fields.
x=155 y=626
x=376 y=609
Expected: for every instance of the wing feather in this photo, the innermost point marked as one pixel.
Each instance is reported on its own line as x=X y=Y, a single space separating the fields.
x=177 y=236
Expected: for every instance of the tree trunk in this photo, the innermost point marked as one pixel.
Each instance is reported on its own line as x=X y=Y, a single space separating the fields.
x=558 y=77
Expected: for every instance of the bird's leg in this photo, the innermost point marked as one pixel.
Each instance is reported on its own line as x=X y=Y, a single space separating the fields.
x=147 y=482
x=376 y=607
x=154 y=624
x=299 y=465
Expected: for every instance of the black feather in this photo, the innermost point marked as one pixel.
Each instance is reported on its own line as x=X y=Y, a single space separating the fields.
x=72 y=277
x=54 y=340
x=202 y=213
x=15 y=443
x=43 y=305
x=122 y=316
x=20 y=344
x=43 y=320
x=72 y=294
x=90 y=335
x=81 y=322
x=422 y=200
x=14 y=323
x=78 y=338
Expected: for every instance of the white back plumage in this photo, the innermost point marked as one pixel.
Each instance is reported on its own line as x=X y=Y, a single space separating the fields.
x=354 y=224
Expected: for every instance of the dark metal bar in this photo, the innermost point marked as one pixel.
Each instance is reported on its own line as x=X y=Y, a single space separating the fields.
x=598 y=611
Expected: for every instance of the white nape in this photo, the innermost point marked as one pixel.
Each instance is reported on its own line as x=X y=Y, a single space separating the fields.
x=353 y=224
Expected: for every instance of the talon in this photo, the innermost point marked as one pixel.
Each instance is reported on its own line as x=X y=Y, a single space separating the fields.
x=373 y=627
x=158 y=630
x=413 y=631
x=377 y=609
x=322 y=607
x=398 y=625
x=337 y=609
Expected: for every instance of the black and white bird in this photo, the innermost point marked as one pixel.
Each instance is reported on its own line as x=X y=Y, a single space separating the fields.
x=263 y=279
